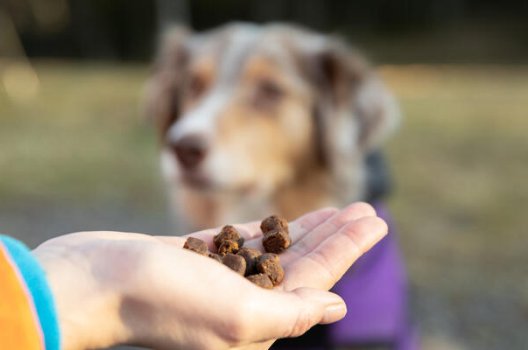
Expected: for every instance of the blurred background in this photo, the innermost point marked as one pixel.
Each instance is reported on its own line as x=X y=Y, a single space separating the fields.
x=76 y=153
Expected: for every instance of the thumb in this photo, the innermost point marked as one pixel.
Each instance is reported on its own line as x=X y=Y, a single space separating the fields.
x=290 y=314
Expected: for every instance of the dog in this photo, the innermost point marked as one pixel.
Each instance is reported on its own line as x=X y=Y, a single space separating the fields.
x=255 y=120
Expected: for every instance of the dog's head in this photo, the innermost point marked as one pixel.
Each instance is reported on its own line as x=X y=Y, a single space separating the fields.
x=252 y=108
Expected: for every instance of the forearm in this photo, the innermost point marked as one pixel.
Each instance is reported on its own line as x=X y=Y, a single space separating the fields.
x=87 y=310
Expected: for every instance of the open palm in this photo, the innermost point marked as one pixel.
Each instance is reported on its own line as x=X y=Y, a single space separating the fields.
x=325 y=243
x=146 y=290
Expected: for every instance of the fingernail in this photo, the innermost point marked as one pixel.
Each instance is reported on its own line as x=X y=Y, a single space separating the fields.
x=334 y=312
x=329 y=298
x=379 y=226
x=360 y=210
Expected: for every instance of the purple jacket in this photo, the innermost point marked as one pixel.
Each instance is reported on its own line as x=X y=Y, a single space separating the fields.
x=375 y=291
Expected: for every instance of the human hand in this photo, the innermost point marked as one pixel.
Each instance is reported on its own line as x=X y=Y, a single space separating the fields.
x=115 y=288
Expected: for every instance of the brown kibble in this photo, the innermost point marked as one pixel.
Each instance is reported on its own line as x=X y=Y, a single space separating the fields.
x=228 y=247
x=276 y=241
x=263 y=270
x=216 y=257
x=269 y=264
x=228 y=233
x=196 y=245
x=235 y=262
x=261 y=280
x=276 y=236
x=274 y=222
x=251 y=256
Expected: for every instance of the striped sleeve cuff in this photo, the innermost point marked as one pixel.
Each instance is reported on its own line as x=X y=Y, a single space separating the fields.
x=35 y=280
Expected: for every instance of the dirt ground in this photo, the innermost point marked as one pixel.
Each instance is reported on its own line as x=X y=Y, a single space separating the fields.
x=75 y=154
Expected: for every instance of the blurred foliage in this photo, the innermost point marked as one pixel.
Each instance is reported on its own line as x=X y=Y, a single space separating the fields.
x=394 y=31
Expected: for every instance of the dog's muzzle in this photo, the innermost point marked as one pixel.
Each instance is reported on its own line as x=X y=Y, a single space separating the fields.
x=190 y=150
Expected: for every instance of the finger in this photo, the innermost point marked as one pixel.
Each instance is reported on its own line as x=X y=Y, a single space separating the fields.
x=306 y=223
x=176 y=241
x=248 y=231
x=310 y=221
x=299 y=228
x=255 y=346
x=290 y=314
x=253 y=235
x=306 y=240
x=327 y=263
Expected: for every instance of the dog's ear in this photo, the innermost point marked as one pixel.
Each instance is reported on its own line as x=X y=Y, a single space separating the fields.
x=377 y=112
x=348 y=88
x=353 y=111
x=163 y=88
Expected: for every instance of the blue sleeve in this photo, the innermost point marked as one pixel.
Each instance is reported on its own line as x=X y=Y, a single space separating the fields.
x=35 y=280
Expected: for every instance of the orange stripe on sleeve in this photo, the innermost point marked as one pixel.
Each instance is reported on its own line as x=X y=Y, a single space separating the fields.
x=18 y=326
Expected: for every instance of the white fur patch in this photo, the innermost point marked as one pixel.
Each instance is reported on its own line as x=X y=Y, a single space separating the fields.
x=238 y=48
x=201 y=120
x=169 y=167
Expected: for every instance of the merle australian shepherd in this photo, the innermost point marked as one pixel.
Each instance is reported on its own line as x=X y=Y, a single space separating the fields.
x=255 y=120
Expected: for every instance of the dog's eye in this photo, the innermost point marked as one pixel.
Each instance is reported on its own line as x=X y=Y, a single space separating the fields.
x=267 y=93
x=196 y=86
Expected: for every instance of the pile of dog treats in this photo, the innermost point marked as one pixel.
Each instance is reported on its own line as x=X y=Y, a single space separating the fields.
x=265 y=269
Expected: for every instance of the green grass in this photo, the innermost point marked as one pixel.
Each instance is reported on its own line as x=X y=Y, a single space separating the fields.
x=82 y=136
x=461 y=167
x=460 y=162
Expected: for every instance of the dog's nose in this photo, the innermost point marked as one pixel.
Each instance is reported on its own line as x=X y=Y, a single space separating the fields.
x=190 y=150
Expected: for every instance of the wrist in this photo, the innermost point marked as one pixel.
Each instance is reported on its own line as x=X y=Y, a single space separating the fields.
x=88 y=313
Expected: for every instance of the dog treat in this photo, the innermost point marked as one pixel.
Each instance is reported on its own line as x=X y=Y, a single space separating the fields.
x=251 y=256
x=276 y=236
x=276 y=241
x=230 y=233
x=216 y=257
x=264 y=270
x=273 y=222
x=196 y=245
x=228 y=246
x=235 y=262
x=269 y=264
x=261 y=280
